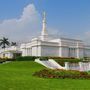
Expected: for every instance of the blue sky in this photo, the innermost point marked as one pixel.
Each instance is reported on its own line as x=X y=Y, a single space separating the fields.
x=69 y=18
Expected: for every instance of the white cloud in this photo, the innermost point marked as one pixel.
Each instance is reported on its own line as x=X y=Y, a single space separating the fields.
x=29 y=25
x=24 y=27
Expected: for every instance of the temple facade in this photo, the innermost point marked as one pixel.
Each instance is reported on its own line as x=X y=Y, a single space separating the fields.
x=47 y=45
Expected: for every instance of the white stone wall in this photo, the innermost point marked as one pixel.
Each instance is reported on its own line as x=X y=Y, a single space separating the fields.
x=49 y=51
x=23 y=52
x=87 y=53
x=64 y=52
x=34 y=51
x=80 y=52
x=60 y=47
x=72 y=52
x=39 y=51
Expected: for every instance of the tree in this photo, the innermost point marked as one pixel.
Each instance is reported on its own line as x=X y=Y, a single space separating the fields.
x=4 y=42
x=13 y=44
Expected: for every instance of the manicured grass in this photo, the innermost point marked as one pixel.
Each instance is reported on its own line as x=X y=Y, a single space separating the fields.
x=18 y=76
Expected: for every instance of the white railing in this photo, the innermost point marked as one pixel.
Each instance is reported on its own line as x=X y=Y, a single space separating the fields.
x=49 y=64
x=80 y=66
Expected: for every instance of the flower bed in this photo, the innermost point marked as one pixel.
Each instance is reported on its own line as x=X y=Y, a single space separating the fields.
x=48 y=73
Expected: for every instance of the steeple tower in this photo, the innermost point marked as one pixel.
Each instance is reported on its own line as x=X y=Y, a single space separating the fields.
x=44 y=32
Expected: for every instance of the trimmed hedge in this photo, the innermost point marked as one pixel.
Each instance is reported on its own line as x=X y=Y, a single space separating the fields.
x=26 y=58
x=58 y=59
x=43 y=58
x=30 y=58
x=62 y=61
x=72 y=74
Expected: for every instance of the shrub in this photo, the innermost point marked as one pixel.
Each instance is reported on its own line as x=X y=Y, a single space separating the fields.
x=58 y=59
x=6 y=59
x=26 y=58
x=1 y=61
x=10 y=59
x=48 y=73
x=62 y=61
x=43 y=58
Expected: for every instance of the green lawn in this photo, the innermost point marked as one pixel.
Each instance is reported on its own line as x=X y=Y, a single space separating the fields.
x=18 y=76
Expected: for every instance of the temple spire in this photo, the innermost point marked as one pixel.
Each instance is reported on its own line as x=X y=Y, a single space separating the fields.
x=44 y=32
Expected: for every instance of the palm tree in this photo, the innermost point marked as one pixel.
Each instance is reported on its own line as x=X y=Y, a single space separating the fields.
x=4 y=42
x=13 y=44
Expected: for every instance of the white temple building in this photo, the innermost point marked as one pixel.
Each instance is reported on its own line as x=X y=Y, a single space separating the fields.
x=46 y=45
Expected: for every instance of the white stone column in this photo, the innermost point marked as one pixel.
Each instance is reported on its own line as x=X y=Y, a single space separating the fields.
x=67 y=65
x=60 y=52
x=81 y=66
x=78 y=52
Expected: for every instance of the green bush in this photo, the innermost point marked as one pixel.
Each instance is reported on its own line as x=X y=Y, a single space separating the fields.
x=30 y=58
x=58 y=59
x=1 y=60
x=68 y=60
x=10 y=59
x=48 y=73
x=43 y=58
x=62 y=61
x=6 y=59
x=51 y=57
x=26 y=58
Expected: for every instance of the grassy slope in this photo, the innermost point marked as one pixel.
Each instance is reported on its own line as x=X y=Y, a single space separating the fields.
x=18 y=76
